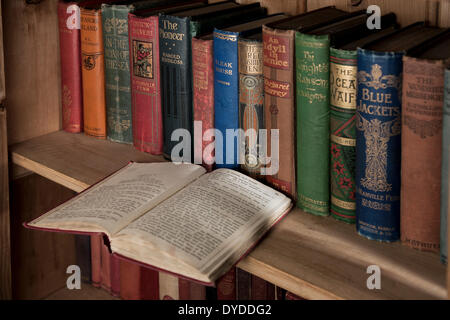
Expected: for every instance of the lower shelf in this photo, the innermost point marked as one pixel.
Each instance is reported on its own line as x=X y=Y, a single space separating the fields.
x=87 y=292
x=313 y=257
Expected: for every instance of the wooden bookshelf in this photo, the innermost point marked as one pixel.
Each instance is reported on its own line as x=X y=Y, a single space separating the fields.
x=314 y=257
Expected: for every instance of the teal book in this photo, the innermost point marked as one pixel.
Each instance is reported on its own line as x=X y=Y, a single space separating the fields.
x=445 y=160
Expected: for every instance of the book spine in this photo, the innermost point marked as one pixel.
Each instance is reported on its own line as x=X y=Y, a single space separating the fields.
x=106 y=263
x=378 y=156
x=190 y=290
x=96 y=259
x=93 y=73
x=251 y=103
x=115 y=275
x=149 y=284
x=176 y=79
x=445 y=178
x=243 y=284
x=117 y=72
x=226 y=286
x=203 y=86
x=423 y=87
x=313 y=123
x=145 y=84
x=129 y=280
x=69 y=47
x=278 y=54
x=261 y=289
x=343 y=70
x=226 y=96
x=83 y=256
x=168 y=286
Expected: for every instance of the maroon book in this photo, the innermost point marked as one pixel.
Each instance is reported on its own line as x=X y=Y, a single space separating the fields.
x=226 y=286
x=145 y=83
x=203 y=84
x=261 y=289
x=189 y=290
x=69 y=46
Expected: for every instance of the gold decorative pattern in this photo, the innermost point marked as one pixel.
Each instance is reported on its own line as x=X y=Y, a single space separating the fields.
x=376 y=79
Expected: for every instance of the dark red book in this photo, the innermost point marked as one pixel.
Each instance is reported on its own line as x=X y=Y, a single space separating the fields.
x=145 y=84
x=137 y=282
x=96 y=259
x=261 y=289
x=70 y=51
x=226 y=286
x=105 y=272
x=189 y=290
x=203 y=87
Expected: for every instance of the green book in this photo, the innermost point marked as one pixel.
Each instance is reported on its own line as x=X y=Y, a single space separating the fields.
x=313 y=116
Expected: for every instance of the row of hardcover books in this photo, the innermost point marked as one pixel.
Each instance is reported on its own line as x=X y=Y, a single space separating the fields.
x=352 y=105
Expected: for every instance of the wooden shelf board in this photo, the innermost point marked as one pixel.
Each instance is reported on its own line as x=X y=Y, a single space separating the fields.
x=313 y=257
x=87 y=292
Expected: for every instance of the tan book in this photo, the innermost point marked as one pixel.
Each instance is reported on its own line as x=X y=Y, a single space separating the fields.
x=173 y=218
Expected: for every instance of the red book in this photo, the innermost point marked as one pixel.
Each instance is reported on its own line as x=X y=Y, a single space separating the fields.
x=189 y=290
x=226 y=286
x=145 y=83
x=137 y=282
x=69 y=46
x=96 y=258
x=203 y=84
x=105 y=273
x=115 y=275
x=261 y=289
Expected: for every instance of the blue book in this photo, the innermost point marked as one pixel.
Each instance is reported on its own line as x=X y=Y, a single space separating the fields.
x=378 y=142
x=445 y=159
x=226 y=96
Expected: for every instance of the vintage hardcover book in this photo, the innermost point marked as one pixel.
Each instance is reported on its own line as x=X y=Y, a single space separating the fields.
x=173 y=218
x=137 y=282
x=243 y=284
x=313 y=109
x=226 y=286
x=444 y=175
x=189 y=290
x=105 y=271
x=145 y=77
x=203 y=88
x=378 y=127
x=343 y=70
x=422 y=100
x=203 y=100
x=93 y=72
x=279 y=93
x=176 y=32
x=69 y=47
x=262 y=289
x=115 y=276
x=83 y=256
x=96 y=259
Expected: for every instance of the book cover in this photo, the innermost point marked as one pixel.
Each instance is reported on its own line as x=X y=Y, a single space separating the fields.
x=378 y=142
x=145 y=84
x=226 y=96
x=203 y=92
x=313 y=122
x=444 y=173
x=137 y=282
x=422 y=100
x=93 y=73
x=251 y=103
x=96 y=259
x=279 y=112
x=69 y=47
x=117 y=72
x=343 y=70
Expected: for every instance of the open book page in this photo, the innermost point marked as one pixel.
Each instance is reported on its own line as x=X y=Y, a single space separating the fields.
x=121 y=198
x=203 y=225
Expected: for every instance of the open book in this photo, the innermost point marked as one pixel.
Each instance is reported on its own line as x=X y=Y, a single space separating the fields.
x=174 y=218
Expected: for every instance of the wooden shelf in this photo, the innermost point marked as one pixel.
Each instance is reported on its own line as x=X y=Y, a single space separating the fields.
x=87 y=292
x=314 y=257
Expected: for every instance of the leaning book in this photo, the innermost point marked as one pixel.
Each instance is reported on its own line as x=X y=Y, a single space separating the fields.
x=173 y=218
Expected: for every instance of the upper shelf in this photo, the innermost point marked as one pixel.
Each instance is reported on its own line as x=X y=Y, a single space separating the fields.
x=314 y=257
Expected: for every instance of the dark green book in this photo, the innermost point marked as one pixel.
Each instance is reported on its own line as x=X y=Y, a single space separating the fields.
x=175 y=35
x=313 y=108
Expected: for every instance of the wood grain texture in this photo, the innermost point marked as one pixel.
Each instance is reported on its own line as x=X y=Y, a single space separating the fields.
x=313 y=257
x=39 y=259
x=406 y=11
x=444 y=14
x=2 y=62
x=317 y=4
x=5 y=243
x=287 y=6
x=32 y=68
x=75 y=161
x=87 y=292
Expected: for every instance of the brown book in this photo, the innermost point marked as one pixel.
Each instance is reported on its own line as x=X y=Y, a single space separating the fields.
x=96 y=259
x=279 y=91
x=262 y=289
x=423 y=87
x=93 y=73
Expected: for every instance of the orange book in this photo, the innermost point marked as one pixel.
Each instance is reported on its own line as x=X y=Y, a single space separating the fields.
x=93 y=73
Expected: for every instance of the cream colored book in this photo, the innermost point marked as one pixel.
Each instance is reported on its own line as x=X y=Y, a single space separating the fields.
x=174 y=217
